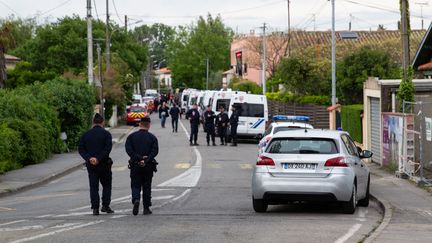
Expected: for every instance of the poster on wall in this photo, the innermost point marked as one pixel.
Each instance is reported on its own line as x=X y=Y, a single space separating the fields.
x=392 y=138
x=428 y=122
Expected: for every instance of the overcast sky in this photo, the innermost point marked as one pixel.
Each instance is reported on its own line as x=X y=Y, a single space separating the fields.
x=240 y=15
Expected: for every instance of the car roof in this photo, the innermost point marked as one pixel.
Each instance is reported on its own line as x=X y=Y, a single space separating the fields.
x=287 y=124
x=310 y=133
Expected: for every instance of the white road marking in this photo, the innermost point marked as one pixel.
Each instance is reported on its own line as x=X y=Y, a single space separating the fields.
x=29 y=227
x=14 y=222
x=44 y=216
x=60 y=226
x=57 y=231
x=350 y=233
x=118 y=216
x=174 y=199
x=191 y=176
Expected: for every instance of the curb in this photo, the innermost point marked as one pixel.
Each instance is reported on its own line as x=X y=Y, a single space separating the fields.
x=387 y=215
x=53 y=176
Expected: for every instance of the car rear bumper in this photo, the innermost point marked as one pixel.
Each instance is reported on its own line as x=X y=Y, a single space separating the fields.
x=334 y=187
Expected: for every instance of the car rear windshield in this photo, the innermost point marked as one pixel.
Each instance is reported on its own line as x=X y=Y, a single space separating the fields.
x=137 y=109
x=302 y=146
x=289 y=128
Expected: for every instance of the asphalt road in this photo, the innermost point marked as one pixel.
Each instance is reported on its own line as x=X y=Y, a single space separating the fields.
x=200 y=194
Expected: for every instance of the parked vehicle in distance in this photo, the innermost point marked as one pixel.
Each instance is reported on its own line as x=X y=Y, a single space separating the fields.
x=311 y=165
x=185 y=99
x=134 y=114
x=282 y=123
x=151 y=92
x=137 y=99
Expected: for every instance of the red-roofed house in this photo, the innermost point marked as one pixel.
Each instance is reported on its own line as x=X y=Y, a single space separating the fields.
x=164 y=77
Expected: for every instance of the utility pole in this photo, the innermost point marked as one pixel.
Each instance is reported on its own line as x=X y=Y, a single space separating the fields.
x=100 y=84
x=422 y=4
x=405 y=38
x=289 y=29
x=264 y=59
x=207 y=74
x=108 y=39
x=126 y=23
x=333 y=64
x=89 y=44
x=314 y=21
x=350 y=23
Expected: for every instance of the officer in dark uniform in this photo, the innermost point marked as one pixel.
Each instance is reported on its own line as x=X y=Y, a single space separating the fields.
x=94 y=147
x=233 y=120
x=194 y=118
x=142 y=147
x=174 y=112
x=222 y=124
x=209 y=125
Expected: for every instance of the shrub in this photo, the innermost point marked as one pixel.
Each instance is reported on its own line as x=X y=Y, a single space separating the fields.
x=10 y=149
x=303 y=99
x=351 y=121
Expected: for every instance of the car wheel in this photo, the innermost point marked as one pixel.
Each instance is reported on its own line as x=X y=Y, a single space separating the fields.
x=350 y=206
x=259 y=205
x=365 y=201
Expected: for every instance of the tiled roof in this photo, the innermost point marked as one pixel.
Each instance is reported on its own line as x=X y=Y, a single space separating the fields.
x=11 y=58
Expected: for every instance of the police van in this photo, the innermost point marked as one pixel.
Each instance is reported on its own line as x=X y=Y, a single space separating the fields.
x=185 y=99
x=252 y=110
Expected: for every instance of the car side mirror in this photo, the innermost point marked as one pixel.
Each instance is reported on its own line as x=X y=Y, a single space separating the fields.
x=365 y=154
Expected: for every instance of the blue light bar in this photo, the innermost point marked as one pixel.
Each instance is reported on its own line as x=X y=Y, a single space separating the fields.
x=290 y=118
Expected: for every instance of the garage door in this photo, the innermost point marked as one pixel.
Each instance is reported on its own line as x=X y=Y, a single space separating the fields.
x=375 y=116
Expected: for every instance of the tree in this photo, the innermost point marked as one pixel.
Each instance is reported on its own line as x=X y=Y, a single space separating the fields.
x=6 y=40
x=354 y=69
x=208 y=39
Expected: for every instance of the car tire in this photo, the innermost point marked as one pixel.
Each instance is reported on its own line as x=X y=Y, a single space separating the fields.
x=350 y=206
x=365 y=201
x=259 y=205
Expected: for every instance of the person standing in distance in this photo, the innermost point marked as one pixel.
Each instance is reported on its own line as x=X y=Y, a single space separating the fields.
x=209 y=125
x=233 y=120
x=174 y=112
x=142 y=148
x=163 y=113
x=94 y=147
x=194 y=118
x=222 y=124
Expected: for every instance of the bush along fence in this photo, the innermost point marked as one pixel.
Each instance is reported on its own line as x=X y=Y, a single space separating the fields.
x=351 y=117
x=32 y=118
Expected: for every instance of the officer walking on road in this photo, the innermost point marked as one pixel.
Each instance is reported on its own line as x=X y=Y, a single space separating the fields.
x=142 y=147
x=194 y=118
x=174 y=112
x=94 y=147
x=233 y=120
x=209 y=125
x=222 y=124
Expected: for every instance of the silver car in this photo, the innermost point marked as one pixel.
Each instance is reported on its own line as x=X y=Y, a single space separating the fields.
x=311 y=165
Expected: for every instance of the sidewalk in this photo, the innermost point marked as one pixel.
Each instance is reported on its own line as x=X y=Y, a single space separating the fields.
x=408 y=216
x=56 y=166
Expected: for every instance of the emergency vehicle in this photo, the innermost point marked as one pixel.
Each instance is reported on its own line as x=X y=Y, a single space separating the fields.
x=134 y=114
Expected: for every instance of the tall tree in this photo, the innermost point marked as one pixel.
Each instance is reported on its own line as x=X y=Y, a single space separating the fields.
x=6 y=40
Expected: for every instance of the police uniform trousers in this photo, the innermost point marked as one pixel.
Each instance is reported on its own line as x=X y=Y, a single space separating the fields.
x=141 y=179
x=100 y=173
x=174 y=123
x=222 y=131
x=210 y=130
x=194 y=133
x=234 y=133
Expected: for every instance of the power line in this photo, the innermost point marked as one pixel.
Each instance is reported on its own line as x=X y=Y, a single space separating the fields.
x=115 y=8
x=7 y=6
x=56 y=7
x=251 y=8
x=95 y=7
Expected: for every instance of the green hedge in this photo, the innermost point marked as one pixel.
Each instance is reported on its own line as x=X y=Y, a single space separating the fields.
x=11 y=148
x=307 y=99
x=351 y=121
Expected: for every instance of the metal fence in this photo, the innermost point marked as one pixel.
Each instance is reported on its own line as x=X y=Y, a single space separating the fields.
x=417 y=142
x=319 y=116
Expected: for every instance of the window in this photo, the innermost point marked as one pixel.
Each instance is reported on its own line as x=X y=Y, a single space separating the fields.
x=302 y=146
x=251 y=110
x=185 y=98
x=349 y=145
x=282 y=129
x=268 y=131
x=224 y=103
x=137 y=109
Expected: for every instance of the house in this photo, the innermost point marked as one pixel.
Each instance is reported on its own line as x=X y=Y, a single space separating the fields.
x=246 y=59
x=163 y=76
x=11 y=61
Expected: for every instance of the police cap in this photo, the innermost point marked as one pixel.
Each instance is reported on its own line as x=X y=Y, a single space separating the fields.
x=145 y=120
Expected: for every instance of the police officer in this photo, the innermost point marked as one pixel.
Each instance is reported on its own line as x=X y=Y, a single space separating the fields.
x=94 y=147
x=194 y=118
x=233 y=120
x=209 y=125
x=142 y=148
x=174 y=112
x=222 y=124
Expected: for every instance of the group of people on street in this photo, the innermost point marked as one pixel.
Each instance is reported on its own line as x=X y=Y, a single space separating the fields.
x=141 y=146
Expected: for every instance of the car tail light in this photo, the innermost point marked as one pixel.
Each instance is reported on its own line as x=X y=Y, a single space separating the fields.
x=336 y=162
x=262 y=160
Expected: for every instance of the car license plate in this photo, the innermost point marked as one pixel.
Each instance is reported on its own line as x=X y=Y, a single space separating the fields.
x=306 y=166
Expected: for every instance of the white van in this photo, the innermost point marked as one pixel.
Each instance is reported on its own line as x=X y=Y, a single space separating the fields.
x=253 y=114
x=224 y=98
x=185 y=99
x=193 y=99
x=206 y=99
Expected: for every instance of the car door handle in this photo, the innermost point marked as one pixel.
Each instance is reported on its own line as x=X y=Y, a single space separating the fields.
x=355 y=163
